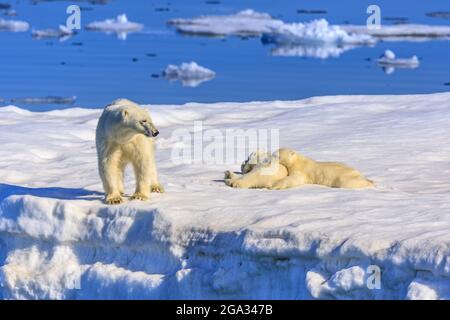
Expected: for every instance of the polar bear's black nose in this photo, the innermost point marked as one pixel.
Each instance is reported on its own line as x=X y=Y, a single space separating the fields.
x=155 y=133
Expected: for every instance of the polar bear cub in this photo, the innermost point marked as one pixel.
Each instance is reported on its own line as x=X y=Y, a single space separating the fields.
x=303 y=170
x=294 y=170
x=260 y=170
x=125 y=135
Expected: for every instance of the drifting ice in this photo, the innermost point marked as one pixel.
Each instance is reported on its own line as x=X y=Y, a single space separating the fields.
x=13 y=25
x=120 y=25
x=190 y=74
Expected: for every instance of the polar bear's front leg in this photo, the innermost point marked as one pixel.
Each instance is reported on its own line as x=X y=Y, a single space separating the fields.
x=155 y=186
x=291 y=181
x=109 y=167
x=141 y=166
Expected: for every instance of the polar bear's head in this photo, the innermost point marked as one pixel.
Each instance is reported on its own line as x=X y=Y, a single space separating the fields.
x=133 y=119
x=254 y=159
x=287 y=157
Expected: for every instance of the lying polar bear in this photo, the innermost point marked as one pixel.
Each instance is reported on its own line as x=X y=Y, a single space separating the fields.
x=125 y=135
x=287 y=169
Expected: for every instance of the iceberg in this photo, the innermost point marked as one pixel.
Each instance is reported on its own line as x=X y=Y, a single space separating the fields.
x=13 y=25
x=316 y=32
x=244 y=23
x=120 y=25
x=190 y=74
x=62 y=32
x=389 y=62
x=402 y=32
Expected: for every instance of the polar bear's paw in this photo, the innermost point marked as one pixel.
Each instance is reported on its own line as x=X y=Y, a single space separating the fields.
x=229 y=175
x=237 y=183
x=157 y=188
x=113 y=199
x=139 y=196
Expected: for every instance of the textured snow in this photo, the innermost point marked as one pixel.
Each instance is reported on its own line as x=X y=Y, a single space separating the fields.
x=189 y=73
x=202 y=239
x=13 y=25
x=120 y=25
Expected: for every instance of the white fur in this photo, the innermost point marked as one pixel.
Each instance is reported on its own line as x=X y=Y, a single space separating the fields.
x=124 y=135
x=288 y=169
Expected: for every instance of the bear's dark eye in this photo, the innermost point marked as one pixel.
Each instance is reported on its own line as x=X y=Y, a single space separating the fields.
x=144 y=121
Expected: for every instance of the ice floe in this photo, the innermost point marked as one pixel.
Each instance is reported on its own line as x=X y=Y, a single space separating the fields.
x=244 y=23
x=411 y=32
x=13 y=25
x=202 y=239
x=189 y=73
x=120 y=25
x=389 y=62
x=316 y=32
x=62 y=32
x=46 y=100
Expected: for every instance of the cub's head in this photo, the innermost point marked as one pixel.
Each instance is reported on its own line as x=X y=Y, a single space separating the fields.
x=254 y=159
x=287 y=157
x=135 y=119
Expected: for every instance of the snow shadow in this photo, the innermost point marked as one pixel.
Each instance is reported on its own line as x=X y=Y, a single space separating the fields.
x=7 y=190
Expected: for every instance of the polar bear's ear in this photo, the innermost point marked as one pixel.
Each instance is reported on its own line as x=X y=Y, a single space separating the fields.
x=124 y=113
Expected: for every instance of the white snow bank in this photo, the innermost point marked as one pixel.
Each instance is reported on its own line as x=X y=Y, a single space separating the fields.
x=120 y=25
x=189 y=73
x=202 y=239
x=389 y=62
x=13 y=25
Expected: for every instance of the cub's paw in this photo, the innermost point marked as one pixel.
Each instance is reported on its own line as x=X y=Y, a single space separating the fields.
x=228 y=174
x=157 y=188
x=238 y=184
x=279 y=186
x=139 y=196
x=113 y=199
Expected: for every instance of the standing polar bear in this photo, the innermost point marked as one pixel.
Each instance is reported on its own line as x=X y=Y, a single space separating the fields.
x=288 y=169
x=125 y=135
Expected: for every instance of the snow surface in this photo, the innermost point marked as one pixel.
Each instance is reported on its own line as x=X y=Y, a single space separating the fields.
x=202 y=239
x=13 y=25
x=120 y=25
x=189 y=73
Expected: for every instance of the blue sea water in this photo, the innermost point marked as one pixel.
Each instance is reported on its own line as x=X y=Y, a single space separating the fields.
x=97 y=68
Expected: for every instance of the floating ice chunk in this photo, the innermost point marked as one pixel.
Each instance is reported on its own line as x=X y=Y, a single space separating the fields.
x=315 y=32
x=190 y=74
x=389 y=62
x=121 y=26
x=402 y=31
x=320 y=52
x=13 y=25
x=244 y=23
x=46 y=100
x=62 y=32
